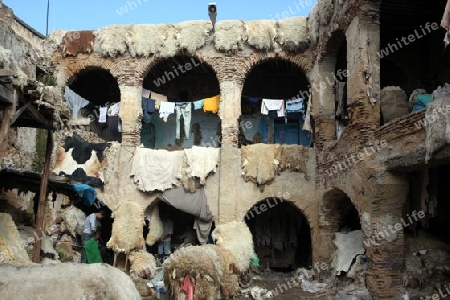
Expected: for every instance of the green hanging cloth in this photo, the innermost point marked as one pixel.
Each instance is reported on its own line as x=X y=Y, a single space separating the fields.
x=92 y=251
x=255 y=260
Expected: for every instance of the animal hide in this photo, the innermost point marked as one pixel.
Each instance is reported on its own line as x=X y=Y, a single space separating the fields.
x=236 y=238
x=155 y=226
x=127 y=229
x=78 y=42
x=11 y=247
x=259 y=163
x=293 y=158
x=201 y=161
x=437 y=127
x=142 y=265
x=72 y=220
x=156 y=169
x=209 y=266
x=82 y=161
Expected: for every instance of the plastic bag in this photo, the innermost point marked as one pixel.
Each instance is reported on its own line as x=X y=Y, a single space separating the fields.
x=92 y=251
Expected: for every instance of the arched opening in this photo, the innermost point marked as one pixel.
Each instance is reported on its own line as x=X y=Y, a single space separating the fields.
x=180 y=101
x=343 y=229
x=281 y=235
x=274 y=105
x=412 y=55
x=94 y=97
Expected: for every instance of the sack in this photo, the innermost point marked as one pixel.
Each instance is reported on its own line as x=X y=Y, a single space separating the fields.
x=92 y=251
x=393 y=103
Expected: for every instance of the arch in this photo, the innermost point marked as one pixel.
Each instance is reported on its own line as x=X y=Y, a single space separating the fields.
x=100 y=88
x=181 y=75
x=95 y=84
x=181 y=78
x=281 y=233
x=340 y=211
x=281 y=79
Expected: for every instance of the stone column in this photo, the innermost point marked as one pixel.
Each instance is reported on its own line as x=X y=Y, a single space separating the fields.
x=230 y=154
x=363 y=83
x=385 y=247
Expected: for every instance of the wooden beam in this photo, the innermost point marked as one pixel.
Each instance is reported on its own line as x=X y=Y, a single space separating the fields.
x=4 y=129
x=42 y=198
x=37 y=115
x=6 y=95
x=18 y=113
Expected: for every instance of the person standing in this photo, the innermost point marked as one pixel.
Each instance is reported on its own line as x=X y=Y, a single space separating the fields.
x=91 y=229
x=164 y=245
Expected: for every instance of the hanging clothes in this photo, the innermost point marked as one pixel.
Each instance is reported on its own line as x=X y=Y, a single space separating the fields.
x=253 y=101
x=76 y=102
x=166 y=109
x=294 y=105
x=273 y=104
x=148 y=107
x=145 y=93
x=102 y=114
x=113 y=109
x=198 y=104
x=183 y=109
x=211 y=104
x=307 y=123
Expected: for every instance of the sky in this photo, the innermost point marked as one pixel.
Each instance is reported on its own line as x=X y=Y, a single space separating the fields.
x=94 y=14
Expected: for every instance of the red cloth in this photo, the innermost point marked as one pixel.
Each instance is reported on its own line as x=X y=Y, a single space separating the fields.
x=188 y=287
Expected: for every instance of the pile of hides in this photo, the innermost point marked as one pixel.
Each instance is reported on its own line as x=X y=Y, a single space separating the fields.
x=162 y=169
x=292 y=33
x=211 y=268
x=426 y=259
x=156 y=169
x=163 y=40
x=142 y=264
x=437 y=127
x=208 y=268
x=11 y=246
x=194 y=204
x=393 y=102
x=155 y=226
x=83 y=162
x=348 y=246
x=67 y=281
x=127 y=229
x=261 y=162
x=78 y=42
x=72 y=220
x=166 y=40
x=237 y=238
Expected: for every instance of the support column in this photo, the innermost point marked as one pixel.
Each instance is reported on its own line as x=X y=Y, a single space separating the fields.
x=363 y=85
x=230 y=154
x=386 y=258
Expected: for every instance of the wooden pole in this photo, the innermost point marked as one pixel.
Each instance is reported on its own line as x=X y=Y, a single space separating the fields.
x=42 y=198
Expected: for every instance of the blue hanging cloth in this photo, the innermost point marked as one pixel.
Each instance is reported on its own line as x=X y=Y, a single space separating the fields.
x=85 y=192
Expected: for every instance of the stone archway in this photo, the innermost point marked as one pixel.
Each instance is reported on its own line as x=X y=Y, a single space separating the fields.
x=276 y=79
x=101 y=89
x=281 y=234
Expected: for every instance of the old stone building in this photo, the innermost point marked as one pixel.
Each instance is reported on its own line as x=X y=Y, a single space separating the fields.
x=349 y=161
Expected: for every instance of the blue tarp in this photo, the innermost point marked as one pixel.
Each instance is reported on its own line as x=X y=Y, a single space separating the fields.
x=85 y=192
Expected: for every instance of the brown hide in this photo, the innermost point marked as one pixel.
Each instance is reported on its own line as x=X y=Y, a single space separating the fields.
x=78 y=42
